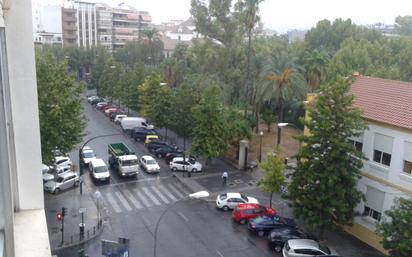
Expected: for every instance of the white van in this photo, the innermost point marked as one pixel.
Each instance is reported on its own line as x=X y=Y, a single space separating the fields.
x=128 y=123
x=99 y=170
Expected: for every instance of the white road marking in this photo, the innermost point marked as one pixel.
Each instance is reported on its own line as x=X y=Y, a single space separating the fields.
x=180 y=195
x=183 y=216
x=151 y=196
x=113 y=203
x=220 y=254
x=181 y=188
x=164 y=199
x=167 y=192
x=142 y=198
x=123 y=201
x=132 y=199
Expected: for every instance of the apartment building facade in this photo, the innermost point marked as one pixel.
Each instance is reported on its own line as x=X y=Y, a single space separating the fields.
x=86 y=25
x=387 y=145
x=47 y=26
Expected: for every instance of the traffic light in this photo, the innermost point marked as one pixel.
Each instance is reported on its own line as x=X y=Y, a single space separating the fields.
x=64 y=211
x=59 y=216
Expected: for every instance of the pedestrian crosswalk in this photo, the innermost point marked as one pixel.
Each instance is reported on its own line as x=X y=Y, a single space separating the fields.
x=125 y=199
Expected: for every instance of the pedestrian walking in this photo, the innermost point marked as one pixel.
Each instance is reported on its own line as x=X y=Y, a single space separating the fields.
x=224 y=177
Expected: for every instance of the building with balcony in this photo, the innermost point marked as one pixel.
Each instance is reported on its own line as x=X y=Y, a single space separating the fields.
x=23 y=228
x=69 y=26
x=47 y=26
x=387 y=145
x=86 y=25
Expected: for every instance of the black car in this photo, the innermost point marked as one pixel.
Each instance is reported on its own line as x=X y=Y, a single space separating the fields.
x=139 y=134
x=156 y=144
x=161 y=151
x=278 y=237
x=95 y=101
x=169 y=157
x=263 y=224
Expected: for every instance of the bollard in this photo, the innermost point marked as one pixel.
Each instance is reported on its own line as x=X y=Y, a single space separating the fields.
x=81 y=234
x=94 y=230
x=88 y=234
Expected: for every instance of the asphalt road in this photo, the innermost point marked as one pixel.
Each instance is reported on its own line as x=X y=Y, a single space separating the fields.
x=132 y=207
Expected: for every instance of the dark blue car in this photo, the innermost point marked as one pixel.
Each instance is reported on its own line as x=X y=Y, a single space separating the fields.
x=262 y=225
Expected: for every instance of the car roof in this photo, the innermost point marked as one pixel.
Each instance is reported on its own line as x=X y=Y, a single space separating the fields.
x=303 y=244
x=148 y=157
x=245 y=206
x=98 y=162
x=58 y=158
x=233 y=195
x=66 y=174
x=181 y=158
x=152 y=136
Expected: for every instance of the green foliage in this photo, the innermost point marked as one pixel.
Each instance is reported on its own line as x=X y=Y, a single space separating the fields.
x=403 y=25
x=323 y=190
x=209 y=134
x=102 y=59
x=182 y=118
x=268 y=117
x=396 y=229
x=161 y=109
x=273 y=177
x=60 y=112
x=148 y=94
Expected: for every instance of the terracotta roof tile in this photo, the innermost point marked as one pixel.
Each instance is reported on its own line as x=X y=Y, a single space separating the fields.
x=383 y=100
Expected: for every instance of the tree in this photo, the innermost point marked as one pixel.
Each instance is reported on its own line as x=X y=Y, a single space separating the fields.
x=403 y=25
x=101 y=60
x=396 y=230
x=154 y=45
x=273 y=177
x=148 y=94
x=323 y=190
x=315 y=64
x=209 y=134
x=61 y=120
x=161 y=112
x=268 y=117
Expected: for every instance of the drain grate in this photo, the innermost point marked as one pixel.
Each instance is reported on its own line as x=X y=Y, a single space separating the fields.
x=239 y=181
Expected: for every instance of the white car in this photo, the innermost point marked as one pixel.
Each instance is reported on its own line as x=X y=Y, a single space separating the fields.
x=187 y=165
x=44 y=168
x=306 y=248
x=62 y=161
x=92 y=98
x=53 y=173
x=119 y=118
x=63 y=181
x=231 y=200
x=149 y=164
x=87 y=155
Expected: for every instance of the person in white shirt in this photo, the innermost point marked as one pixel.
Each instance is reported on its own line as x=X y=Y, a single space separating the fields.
x=224 y=177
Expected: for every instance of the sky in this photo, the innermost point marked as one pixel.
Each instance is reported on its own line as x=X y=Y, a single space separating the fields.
x=290 y=14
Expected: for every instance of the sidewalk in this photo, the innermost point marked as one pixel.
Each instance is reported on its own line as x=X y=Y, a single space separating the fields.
x=75 y=203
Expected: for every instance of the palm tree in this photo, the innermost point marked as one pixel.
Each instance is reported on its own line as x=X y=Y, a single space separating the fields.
x=284 y=81
x=315 y=64
x=154 y=41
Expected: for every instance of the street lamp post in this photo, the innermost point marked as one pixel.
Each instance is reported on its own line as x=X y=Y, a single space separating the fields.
x=284 y=124
x=197 y=195
x=260 y=148
x=80 y=157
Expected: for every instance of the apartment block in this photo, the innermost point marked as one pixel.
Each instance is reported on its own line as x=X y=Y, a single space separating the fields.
x=47 y=26
x=69 y=27
x=86 y=25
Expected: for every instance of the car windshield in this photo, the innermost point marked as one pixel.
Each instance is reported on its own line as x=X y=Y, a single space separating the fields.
x=59 y=179
x=192 y=162
x=151 y=162
x=324 y=248
x=223 y=196
x=100 y=169
x=129 y=163
x=244 y=197
x=259 y=219
x=89 y=154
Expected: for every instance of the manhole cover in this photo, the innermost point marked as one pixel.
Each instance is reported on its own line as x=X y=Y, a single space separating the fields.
x=231 y=184
x=253 y=181
x=250 y=184
x=238 y=181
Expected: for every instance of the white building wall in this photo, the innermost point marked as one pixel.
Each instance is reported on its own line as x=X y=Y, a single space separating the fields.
x=183 y=37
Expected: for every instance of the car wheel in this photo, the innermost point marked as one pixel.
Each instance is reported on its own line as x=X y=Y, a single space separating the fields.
x=174 y=169
x=194 y=170
x=159 y=155
x=278 y=248
x=225 y=208
x=242 y=221
x=261 y=233
x=57 y=190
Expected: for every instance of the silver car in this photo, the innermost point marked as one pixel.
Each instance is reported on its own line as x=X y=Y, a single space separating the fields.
x=62 y=181
x=149 y=164
x=306 y=248
x=52 y=173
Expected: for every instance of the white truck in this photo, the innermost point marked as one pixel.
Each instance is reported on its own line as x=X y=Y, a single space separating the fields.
x=123 y=160
x=129 y=123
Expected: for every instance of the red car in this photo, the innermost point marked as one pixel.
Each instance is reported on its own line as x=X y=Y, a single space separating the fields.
x=106 y=107
x=101 y=105
x=109 y=111
x=245 y=211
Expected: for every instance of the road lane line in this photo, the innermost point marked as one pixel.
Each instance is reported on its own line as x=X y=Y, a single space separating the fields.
x=142 y=198
x=113 y=203
x=220 y=254
x=182 y=216
x=164 y=199
x=132 y=199
x=123 y=201
x=151 y=196
x=167 y=192
x=179 y=195
x=181 y=188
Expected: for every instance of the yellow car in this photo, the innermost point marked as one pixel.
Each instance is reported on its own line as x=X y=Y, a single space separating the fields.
x=150 y=138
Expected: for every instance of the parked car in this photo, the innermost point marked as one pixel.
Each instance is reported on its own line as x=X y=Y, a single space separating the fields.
x=156 y=144
x=306 y=248
x=96 y=101
x=177 y=164
x=62 y=161
x=92 y=98
x=231 y=200
x=161 y=151
x=103 y=109
x=52 y=173
x=170 y=156
x=278 y=236
x=113 y=115
x=99 y=170
x=63 y=181
x=139 y=133
x=149 y=164
x=101 y=105
x=261 y=225
x=110 y=110
x=246 y=211
x=129 y=123
x=118 y=118
x=87 y=155
x=44 y=168
x=151 y=138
